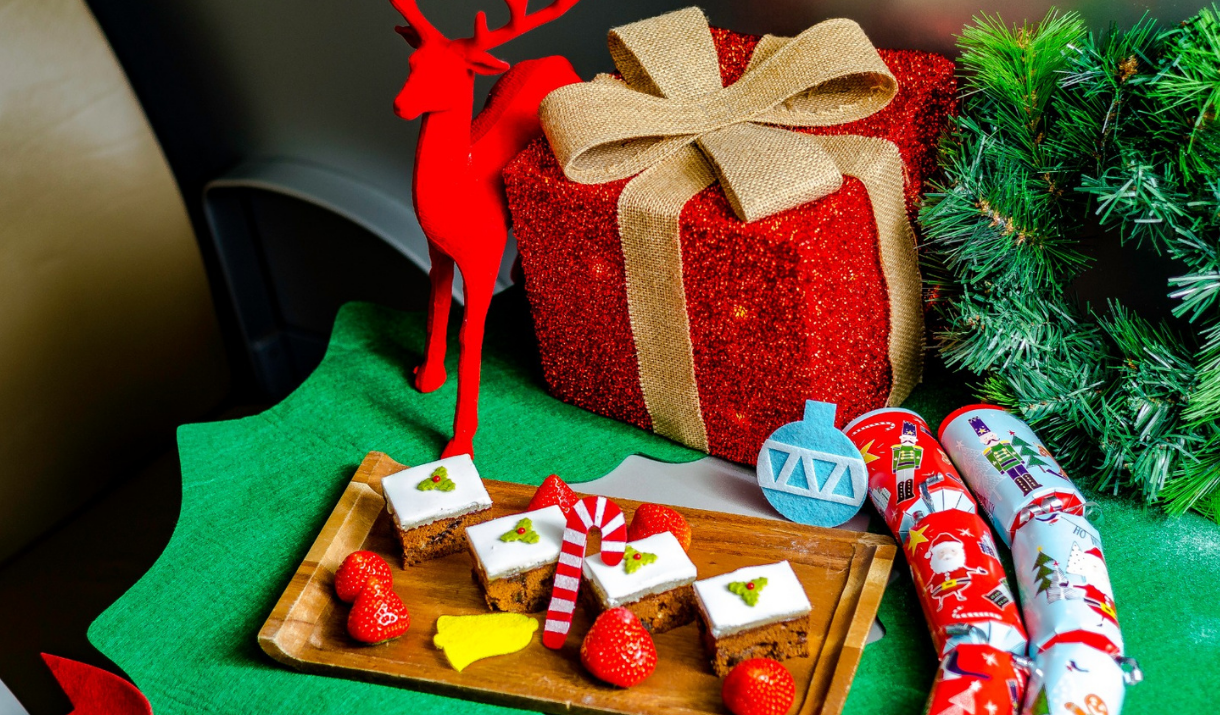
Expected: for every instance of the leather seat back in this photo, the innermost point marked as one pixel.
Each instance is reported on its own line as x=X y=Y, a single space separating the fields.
x=107 y=332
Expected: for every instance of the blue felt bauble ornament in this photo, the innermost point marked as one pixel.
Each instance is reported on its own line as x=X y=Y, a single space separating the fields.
x=811 y=472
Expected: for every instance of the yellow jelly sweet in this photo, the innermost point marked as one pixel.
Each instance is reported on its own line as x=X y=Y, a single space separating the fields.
x=466 y=639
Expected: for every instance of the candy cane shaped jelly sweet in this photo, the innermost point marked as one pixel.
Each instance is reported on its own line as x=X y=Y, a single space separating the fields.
x=587 y=513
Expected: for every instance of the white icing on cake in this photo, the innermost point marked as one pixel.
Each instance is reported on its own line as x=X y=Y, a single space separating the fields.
x=726 y=613
x=615 y=587
x=411 y=507
x=500 y=559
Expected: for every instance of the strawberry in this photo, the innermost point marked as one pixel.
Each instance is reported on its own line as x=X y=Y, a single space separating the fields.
x=554 y=492
x=618 y=650
x=650 y=519
x=356 y=570
x=378 y=614
x=759 y=686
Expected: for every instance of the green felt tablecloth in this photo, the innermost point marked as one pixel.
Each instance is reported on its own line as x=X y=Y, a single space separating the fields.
x=256 y=491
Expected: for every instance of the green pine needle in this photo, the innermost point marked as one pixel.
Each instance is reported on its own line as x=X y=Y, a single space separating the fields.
x=1060 y=125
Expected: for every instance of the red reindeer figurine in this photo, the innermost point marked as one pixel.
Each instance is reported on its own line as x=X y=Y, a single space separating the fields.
x=458 y=191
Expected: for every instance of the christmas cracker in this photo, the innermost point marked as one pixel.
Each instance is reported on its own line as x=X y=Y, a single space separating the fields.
x=1066 y=594
x=979 y=679
x=1011 y=472
x=962 y=587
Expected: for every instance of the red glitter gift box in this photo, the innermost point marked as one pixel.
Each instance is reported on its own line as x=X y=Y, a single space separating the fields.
x=788 y=308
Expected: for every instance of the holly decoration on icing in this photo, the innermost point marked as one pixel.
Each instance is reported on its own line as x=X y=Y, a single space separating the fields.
x=748 y=590
x=438 y=480
x=523 y=531
x=633 y=559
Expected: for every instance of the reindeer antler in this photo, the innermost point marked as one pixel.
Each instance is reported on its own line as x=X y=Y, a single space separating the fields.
x=520 y=22
x=417 y=30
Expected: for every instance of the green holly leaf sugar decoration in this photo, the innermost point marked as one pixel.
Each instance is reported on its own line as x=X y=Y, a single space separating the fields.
x=438 y=480
x=633 y=560
x=748 y=590
x=523 y=531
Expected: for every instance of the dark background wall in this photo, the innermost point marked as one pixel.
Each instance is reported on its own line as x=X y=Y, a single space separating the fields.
x=226 y=80
x=229 y=81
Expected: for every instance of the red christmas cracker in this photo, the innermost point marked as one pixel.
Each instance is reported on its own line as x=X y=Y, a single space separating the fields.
x=963 y=590
x=977 y=679
x=910 y=476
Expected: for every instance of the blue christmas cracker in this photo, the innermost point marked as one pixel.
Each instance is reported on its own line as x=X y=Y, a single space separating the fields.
x=1012 y=474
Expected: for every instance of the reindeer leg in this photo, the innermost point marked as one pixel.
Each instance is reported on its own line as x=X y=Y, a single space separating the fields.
x=478 y=287
x=431 y=375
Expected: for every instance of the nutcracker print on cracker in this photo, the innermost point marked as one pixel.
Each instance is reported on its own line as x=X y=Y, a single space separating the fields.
x=1008 y=468
x=1004 y=457
x=907 y=457
x=457 y=189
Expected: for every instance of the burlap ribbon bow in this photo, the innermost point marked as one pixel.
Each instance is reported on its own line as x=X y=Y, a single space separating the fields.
x=670 y=120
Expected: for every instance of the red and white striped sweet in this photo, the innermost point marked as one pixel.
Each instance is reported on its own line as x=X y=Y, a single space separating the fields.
x=587 y=513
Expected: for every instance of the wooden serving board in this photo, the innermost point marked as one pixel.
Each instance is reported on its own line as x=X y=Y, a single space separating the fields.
x=844 y=574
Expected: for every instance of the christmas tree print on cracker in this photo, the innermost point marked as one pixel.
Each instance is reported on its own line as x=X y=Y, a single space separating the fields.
x=811 y=472
x=432 y=505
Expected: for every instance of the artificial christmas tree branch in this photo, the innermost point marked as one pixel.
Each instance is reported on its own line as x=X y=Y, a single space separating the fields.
x=1061 y=127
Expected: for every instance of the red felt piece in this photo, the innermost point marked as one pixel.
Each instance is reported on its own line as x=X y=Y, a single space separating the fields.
x=94 y=691
x=790 y=308
x=458 y=190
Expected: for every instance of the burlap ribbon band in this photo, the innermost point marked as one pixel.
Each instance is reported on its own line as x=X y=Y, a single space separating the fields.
x=670 y=123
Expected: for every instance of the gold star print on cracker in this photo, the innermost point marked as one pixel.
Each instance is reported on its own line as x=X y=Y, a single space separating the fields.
x=868 y=456
x=916 y=538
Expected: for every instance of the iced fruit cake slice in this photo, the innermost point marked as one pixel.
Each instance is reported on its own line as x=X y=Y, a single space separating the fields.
x=653 y=581
x=515 y=556
x=432 y=505
x=753 y=612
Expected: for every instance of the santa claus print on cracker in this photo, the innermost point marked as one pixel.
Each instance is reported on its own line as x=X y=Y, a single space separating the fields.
x=963 y=590
x=962 y=583
x=951 y=576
